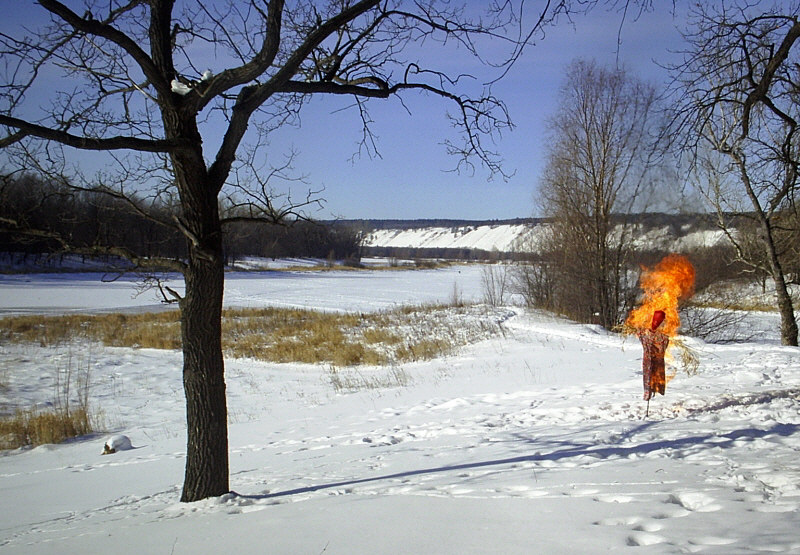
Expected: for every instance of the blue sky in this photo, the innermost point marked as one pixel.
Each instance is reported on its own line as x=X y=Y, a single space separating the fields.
x=410 y=179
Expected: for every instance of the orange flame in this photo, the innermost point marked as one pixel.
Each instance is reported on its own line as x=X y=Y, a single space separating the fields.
x=667 y=284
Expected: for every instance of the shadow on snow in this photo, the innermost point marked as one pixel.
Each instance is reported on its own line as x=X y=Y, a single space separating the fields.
x=567 y=450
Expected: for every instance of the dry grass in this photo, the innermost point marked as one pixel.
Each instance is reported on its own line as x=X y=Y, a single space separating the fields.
x=374 y=336
x=348 y=380
x=33 y=427
x=158 y=330
x=382 y=339
x=275 y=334
x=67 y=416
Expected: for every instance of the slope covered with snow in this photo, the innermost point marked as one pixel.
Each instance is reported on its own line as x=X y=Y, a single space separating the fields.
x=535 y=441
x=501 y=237
x=515 y=238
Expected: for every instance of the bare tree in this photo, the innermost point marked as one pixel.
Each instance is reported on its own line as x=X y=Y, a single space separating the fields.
x=495 y=283
x=737 y=113
x=601 y=163
x=129 y=78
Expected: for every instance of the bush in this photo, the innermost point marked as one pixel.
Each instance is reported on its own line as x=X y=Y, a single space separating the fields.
x=495 y=282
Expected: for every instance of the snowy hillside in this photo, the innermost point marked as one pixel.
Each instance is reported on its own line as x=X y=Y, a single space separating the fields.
x=534 y=441
x=501 y=237
x=515 y=238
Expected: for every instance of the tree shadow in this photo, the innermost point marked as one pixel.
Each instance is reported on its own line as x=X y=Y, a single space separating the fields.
x=559 y=451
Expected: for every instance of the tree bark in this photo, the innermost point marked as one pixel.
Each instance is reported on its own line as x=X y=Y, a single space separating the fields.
x=784 y=298
x=786 y=309
x=204 y=380
x=201 y=331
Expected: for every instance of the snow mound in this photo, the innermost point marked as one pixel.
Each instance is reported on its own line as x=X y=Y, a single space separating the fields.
x=116 y=443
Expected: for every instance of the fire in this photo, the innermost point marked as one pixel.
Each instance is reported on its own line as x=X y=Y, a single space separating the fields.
x=664 y=286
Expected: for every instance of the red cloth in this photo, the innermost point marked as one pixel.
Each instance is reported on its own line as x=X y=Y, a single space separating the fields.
x=654 y=345
x=658 y=317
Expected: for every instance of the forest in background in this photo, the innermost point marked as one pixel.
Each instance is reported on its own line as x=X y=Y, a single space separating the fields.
x=97 y=225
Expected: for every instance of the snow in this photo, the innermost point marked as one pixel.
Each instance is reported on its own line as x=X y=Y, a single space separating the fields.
x=525 y=238
x=337 y=291
x=533 y=441
x=116 y=443
x=501 y=237
x=180 y=88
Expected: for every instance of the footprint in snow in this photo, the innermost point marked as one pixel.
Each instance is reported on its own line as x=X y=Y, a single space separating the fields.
x=644 y=538
x=648 y=526
x=776 y=508
x=711 y=540
x=614 y=498
x=619 y=521
x=677 y=512
x=694 y=501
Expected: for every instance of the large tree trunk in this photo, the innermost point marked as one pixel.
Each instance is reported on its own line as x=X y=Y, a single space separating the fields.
x=786 y=310
x=201 y=332
x=204 y=382
x=784 y=299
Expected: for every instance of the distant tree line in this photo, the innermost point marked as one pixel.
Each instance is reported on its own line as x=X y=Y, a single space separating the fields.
x=302 y=238
x=44 y=218
x=376 y=224
x=419 y=253
x=555 y=274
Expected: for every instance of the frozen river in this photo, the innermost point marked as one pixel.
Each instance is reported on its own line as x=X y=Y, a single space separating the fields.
x=367 y=290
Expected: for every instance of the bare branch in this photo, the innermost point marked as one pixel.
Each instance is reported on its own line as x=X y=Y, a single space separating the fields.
x=27 y=129
x=91 y=26
x=737 y=97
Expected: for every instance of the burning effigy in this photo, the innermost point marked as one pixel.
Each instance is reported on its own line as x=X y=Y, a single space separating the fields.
x=654 y=350
x=656 y=320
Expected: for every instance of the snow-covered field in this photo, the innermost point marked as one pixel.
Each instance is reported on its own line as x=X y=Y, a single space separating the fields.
x=531 y=442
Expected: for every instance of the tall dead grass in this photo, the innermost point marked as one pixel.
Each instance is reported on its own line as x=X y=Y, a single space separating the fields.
x=157 y=330
x=67 y=416
x=272 y=334
x=38 y=427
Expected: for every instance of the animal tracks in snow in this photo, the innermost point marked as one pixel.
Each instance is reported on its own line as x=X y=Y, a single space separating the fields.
x=656 y=528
